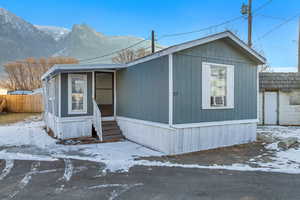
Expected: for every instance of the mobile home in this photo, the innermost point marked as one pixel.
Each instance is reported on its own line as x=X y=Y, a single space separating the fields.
x=197 y=95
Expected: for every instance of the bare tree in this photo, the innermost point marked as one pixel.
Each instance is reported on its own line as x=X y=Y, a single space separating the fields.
x=128 y=55
x=264 y=68
x=26 y=74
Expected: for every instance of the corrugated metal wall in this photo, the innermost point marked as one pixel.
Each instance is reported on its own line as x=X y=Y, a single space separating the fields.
x=188 y=86
x=64 y=95
x=142 y=91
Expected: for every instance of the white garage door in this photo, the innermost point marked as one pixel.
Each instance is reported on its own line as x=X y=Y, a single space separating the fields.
x=270 y=107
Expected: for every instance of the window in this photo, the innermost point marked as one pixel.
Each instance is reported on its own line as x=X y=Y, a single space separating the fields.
x=217 y=86
x=295 y=98
x=77 y=86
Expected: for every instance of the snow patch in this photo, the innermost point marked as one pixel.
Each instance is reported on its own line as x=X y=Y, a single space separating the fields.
x=9 y=164
x=25 y=180
x=54 y=31
x=68 y=170
x=22 y=156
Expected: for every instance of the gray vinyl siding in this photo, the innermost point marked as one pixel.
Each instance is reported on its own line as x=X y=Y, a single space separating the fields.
x=64 y=95
x=142 y=91
x=187 y=80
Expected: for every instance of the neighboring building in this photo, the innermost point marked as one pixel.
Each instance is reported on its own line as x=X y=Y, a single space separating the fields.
x=20 y=92
x=279 y=98
x=198 y=95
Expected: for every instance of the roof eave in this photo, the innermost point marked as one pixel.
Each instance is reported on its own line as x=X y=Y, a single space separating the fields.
x=79 y=67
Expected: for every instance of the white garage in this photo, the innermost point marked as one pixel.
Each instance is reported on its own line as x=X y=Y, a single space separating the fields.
x=279 y=98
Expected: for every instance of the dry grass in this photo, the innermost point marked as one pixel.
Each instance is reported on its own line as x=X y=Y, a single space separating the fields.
x=9 y=118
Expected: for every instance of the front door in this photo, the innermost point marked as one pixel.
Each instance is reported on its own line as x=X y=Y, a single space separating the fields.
x=270 y=108
x=104 y=92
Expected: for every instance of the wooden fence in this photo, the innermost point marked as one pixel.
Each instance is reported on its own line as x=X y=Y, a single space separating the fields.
x=23 y=103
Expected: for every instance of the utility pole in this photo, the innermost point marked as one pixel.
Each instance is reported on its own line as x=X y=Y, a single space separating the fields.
x=152 y=41
x=246 y=10
x=250 y=23
x=299 y=46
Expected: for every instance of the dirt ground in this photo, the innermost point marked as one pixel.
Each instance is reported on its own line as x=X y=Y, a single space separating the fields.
x=221 y=156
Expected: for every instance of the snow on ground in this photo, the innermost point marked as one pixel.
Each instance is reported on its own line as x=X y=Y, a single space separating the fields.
x=280 y=131
x=283 y=159
x=26 y=133
x=29 y=141
x=117 y=156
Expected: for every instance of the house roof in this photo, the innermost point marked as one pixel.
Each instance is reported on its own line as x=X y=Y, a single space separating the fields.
x=279 y=81
x=80 y=67
x=172 y=49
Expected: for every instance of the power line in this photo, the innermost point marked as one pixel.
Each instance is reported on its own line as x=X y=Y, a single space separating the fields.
x=113 y=52
x=271 y=17
x=278 y=26
x=214 y=26
x=262 y=6
x=203 y=29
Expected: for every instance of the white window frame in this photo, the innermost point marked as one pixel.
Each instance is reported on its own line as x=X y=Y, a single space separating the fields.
x=70 y=111
x=206 y=85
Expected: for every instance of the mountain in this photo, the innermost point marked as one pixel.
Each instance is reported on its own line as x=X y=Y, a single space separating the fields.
x=20 y=39
x=84 y=42
x=56 y=32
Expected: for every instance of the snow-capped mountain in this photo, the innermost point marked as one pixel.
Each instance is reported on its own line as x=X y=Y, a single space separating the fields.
x=56 y=32
x=20 y=39
x=9 y=19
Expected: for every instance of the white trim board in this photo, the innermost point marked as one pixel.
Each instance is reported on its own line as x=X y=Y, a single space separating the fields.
x=74 y=119
x=93 y=85
x=170 y=89
x=59 y=94
x=149 y=123
x=188 y=125
x=216 y=123
x=115 y=93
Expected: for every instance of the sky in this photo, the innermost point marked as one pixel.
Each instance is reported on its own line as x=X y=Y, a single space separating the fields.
x=139 y=17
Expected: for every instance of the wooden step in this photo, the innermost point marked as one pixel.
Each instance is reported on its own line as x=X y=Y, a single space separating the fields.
x=112 y=132
x=109 y=123
x=112 y=137
x=106 y=128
